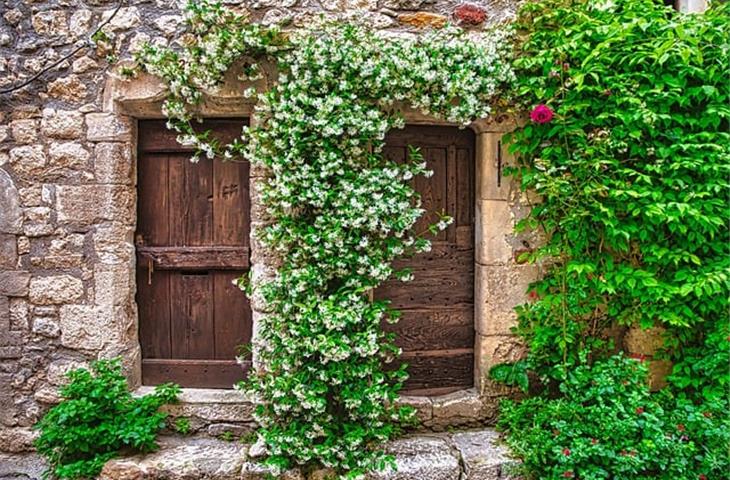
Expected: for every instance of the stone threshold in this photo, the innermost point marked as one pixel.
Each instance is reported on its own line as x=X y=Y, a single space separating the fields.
x=214 y=411
x=469 y=455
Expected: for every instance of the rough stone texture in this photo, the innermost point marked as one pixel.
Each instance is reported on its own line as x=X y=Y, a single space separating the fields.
x=181 y=459
x=56 y=289
x=482 y=456
x=499 y=289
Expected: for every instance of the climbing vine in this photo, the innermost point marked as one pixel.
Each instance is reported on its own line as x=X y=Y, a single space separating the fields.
x=340 y=211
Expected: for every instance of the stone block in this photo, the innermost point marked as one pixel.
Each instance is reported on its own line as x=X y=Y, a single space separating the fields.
x=106 y=127
x=68 y=124
x=90 y=204
x=58 y=369
x=46 y=327
x=423 y=19
x=482 y=455
x=28 y=161
x=37 y=222
x=464 y=404
x=423 y=406
x=113 y=243
x=69 y=88
x=86 y=327
x=494 y=225
x=498 y=290
x=21 y=466
x=114 y=163
x=14 y=283
x=24 y=131
x=492 y=158
x=68 y=155
x=17 y=440
x=420 y=457
x=644 y=341
x=11 y=215
x=8 y=251
x=50 y=23
x=493 y=350
x=55 y=289
x=113 y=284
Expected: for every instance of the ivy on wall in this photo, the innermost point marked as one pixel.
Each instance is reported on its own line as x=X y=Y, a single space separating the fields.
x=340 y=211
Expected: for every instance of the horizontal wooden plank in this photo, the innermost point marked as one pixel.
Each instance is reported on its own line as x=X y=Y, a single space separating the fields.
x=154 y=136
x=441 y=279
x=196 y=258
x=435 y=330
x=194 y=373
x=430 y=135
x=445 y=371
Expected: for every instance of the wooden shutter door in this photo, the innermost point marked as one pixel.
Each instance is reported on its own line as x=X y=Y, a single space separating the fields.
x=436 y=331
x=192 y=241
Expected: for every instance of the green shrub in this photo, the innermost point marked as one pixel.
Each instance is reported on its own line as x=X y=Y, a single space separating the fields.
x=605 y=424
x=98 y=417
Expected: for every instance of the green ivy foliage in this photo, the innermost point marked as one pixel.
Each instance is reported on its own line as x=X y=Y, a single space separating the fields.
x=606 y=425
x=631 y=170
x=97 y=418
x=338 y=211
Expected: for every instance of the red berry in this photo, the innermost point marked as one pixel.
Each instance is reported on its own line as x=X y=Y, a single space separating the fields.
x=567 y=474
x=640 y=410
x=566 y=452
x=594 y=441
x=702 y=477
x=680 y=427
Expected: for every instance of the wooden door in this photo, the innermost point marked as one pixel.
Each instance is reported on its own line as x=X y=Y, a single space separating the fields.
x=192 y=241
x=436 y=331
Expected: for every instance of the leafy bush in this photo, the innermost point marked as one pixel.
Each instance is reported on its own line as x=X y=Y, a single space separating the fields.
x=98 y=417
x=605 y=424
x=628 y=148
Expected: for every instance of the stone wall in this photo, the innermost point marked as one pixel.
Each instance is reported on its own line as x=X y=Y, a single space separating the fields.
x=67 y=183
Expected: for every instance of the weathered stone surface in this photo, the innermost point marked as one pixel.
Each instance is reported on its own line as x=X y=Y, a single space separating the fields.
x=11 y=215
x=491 y=183
x=492 y=350
x=464 y=404
x=89 y=204
x=80 y=22
x=37 y=221
x=50 y=23
x=470 y=14
x=258 y=471
x=8 y=251
x=67 y=155
x=423 y=406
x=21 y=466
x=86 y=327
x=58 y=369
x=16 y=440
x=423 y=458
x=24 y=131
x=495 y=223
x=69 y=88
x=644 y=341
x=113 y=243
x=483 y=458
x=105 y=127
x=218 y=429
x=62 y=123
x=498 y=290
x=46 y=326
x=181 y=459
x=125 y=18
x=55 y=289
x=169 y=24
x=14 y=283
x=29 y=161
x=113 y=284
x=423 y=19
x=114 y=163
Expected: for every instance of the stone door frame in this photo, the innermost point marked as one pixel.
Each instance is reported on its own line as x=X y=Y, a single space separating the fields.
x=500 y=282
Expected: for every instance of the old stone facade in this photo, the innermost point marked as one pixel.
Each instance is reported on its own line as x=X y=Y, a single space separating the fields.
x=68 y=201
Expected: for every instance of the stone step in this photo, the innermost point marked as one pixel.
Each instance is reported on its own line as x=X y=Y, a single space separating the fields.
x=471 y=455
x=468 y=455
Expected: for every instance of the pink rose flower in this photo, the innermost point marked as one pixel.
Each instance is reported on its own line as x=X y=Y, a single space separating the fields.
x=541 y=114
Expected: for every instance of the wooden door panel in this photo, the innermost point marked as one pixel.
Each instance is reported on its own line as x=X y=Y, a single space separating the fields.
x=192 y=242
x=436 y=331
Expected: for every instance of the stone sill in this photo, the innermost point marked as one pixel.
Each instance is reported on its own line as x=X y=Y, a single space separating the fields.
x=205 y=406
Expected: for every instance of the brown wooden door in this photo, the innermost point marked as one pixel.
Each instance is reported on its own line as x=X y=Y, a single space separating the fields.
x=192 y=241
x=436 y=331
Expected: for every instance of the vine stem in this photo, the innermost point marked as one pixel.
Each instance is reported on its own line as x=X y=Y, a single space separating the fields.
x=89 y=42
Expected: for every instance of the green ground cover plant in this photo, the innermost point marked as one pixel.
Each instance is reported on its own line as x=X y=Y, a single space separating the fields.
x=97 y=419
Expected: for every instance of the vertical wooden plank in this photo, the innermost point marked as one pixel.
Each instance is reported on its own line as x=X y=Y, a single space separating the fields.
x=232 y=315
x=451 y=186
x=191 y=300
x=230 y=203
x=191 y=197
x=153 y=300
x=432 y=190
x=153 y=200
